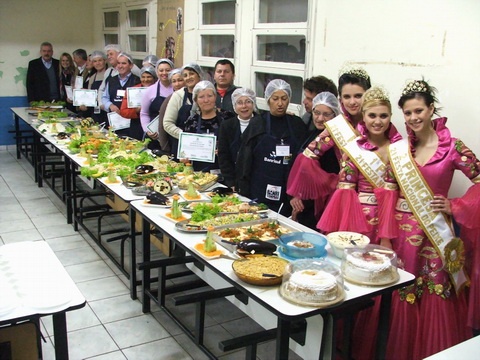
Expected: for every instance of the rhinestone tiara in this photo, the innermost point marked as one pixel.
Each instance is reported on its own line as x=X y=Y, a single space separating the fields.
x=354 y=70
x=375 y=93
x=415 y=86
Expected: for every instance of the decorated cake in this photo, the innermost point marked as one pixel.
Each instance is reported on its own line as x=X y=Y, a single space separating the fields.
x=312 y=286
x=372 y=265
x=314 y=283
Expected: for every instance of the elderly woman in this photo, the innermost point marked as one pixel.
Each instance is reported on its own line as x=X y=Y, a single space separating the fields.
x=180 y=105
x=307 y=208
x=206 y=121
x=231 y=130
x=268 y=146
x=153 y=98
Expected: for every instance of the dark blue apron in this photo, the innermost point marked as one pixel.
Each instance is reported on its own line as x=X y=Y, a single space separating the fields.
x=202 y=165
x=154 y=108
x=270 y=172
x=183 y=115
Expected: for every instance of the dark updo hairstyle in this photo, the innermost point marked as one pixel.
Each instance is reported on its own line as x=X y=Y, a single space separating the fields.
x=355 y=77
x=420 y=90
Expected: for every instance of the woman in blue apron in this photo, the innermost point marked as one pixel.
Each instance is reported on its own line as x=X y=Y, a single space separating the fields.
x=180 y=106
x=231 y=130
x=153 y=98
x=99 y=62
x=267 y=150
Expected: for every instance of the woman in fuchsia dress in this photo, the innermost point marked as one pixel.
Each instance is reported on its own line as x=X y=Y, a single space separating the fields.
x=430 y=315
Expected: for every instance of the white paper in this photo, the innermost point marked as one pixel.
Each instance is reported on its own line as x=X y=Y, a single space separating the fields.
x=84 y=97
x=69 y=91
x=200 y=147
x=118 y=122
x=79 y=82
x=134 y=96
x=153 y=125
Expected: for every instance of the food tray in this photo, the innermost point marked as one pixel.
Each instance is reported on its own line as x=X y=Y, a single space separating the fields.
x=203 y=187
x=185 y=226
x=340 y=298
x=260 y=281
x=232 y=247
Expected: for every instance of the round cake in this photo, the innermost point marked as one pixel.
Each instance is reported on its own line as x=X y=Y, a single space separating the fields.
x=311 y=286
x=368 y=267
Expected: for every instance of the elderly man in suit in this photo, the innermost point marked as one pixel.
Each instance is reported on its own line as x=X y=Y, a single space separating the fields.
x=42 y=76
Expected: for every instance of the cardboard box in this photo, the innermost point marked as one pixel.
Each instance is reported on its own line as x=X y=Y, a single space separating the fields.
x=19 y=342
x=161 y=242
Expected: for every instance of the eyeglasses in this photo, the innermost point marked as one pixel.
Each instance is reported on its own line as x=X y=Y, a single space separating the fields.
x=323 y=114
x=246 y=102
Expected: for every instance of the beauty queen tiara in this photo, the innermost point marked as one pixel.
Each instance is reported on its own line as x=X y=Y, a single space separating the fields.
x=415 y=86
x=357 y=71
x=375 y=93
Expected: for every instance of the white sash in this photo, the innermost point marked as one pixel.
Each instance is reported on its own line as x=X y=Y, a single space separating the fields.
x=368 y=162
x=435 y=224
x=340 y=130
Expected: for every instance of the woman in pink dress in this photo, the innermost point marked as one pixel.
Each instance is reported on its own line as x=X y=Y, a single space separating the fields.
x=352 y=84
x=353 y=206
x=430 y=315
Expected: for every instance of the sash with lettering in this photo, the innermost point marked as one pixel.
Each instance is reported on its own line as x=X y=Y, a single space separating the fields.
x=341 y=131
x=368 y=162
x=436 y=225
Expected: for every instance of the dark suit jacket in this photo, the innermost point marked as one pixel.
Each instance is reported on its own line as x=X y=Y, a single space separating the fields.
x=38 y=87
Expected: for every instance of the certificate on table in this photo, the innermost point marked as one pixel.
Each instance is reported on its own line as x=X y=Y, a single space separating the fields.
x=69 y=91
x=200 y=147
x=84 y=97
x=118 y=122
x=153 y=125
x=134 y=96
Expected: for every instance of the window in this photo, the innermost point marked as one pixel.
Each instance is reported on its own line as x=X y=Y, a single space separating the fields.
x=127 y=23
x=281 y=48
x=222 y=12
x=282 y=11
x=221 y=46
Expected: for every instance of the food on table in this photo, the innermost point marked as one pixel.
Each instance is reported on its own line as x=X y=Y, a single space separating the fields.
x=311 y=286
x=341 y=240
x=144 y=169
x=163 y=186
x=371 y=265
x=223 y=220
x=200 y=180
x=176 y=212
x=301 y=244
x=191 y=193
x=112 y=175
x=252 y=247
x=188 y=169
x=265 y=231
x=210 y=245
x=261 y=270
x=156 y=198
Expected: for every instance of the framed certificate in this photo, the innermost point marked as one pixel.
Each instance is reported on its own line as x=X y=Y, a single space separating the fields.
x=134 y=96
x=200 y=147
x=84 y=97
x=118 y=122
x=153 y=125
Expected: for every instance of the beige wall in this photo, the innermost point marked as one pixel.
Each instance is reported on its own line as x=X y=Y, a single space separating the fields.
x=24 y=24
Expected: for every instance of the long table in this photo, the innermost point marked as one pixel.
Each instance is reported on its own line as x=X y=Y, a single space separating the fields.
x=35 y=284
x=265 y=304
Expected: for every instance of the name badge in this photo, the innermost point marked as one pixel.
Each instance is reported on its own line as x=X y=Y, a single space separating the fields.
x=282 y=150
x=121 y=93
x=273 y=192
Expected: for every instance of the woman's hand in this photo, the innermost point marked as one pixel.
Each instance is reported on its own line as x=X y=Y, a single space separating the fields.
x=441 y=204
x=82 y=108
x=387 y=243
x=297 y=204
x=114 y=108
x=151 y=135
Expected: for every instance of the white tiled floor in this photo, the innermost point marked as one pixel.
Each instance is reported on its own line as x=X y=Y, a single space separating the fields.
x=111 y=326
